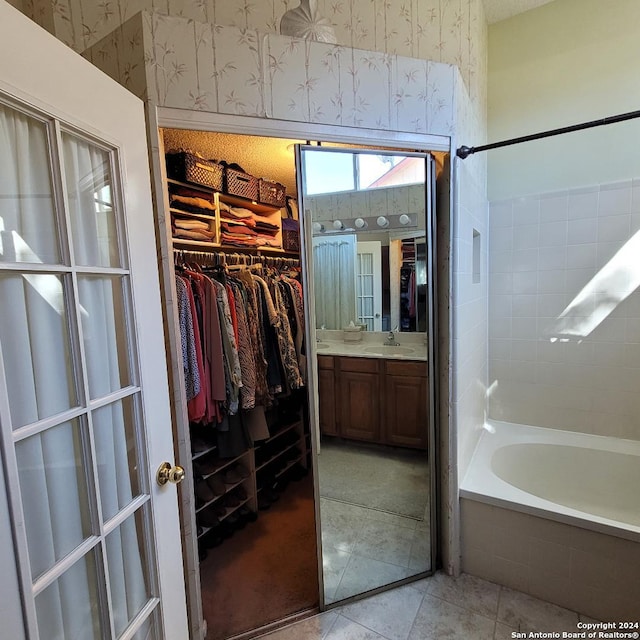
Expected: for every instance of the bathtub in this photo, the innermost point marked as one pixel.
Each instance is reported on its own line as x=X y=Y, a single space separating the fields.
x=583 y=480
x=555 y=514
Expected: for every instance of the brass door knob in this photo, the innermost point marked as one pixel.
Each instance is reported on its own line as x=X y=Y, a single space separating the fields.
x=167 y=473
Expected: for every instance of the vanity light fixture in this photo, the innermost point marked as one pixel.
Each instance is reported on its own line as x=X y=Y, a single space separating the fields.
x=317 y=227
x=337 y=224
x=404 y=219
x=361 y=223
x=382 y=221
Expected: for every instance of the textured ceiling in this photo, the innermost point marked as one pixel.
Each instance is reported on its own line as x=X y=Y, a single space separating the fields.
x=497 y=10
x=261 y=157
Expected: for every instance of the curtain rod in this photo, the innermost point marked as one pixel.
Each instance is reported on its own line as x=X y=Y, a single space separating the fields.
x=464 y=152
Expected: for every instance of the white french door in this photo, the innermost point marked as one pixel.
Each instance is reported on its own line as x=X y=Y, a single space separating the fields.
x=369 y=284
x=84 y=408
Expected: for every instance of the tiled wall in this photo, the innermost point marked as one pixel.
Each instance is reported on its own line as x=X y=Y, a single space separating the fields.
x=583 y=373
x=582 y=570
x=470 y=293
x=369 y=205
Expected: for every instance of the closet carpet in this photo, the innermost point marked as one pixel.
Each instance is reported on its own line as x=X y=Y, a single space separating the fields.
x=266 y=571
x=382 y=478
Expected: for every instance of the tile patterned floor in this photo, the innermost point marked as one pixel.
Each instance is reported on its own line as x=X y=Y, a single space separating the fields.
x=365 y=548
x=463 y=608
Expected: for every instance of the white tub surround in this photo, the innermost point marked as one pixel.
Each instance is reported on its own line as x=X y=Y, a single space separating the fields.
x=555 y=514
x=565 y=476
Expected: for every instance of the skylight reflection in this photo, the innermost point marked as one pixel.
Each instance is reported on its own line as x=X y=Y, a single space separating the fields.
x=613 y=284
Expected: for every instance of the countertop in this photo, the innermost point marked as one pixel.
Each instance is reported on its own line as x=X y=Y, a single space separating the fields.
x=410 y=347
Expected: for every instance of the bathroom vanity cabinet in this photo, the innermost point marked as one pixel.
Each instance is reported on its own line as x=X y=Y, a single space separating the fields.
x=382 y=401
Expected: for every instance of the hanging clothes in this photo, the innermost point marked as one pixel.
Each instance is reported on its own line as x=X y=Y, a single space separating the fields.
x=243 y=347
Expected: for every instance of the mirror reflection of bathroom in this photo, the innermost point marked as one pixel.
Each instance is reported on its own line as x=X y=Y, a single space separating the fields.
x=367 y=262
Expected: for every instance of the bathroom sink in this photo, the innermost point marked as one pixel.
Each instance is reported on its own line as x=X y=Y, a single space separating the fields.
x=321 y=345
x=389 y=350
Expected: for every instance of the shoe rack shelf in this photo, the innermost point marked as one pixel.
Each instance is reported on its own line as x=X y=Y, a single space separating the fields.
x=262 y=473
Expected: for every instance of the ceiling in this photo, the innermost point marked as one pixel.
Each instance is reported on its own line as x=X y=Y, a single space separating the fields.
x=496 y=10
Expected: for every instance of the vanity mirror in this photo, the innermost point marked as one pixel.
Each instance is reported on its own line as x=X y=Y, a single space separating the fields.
x=367 y=217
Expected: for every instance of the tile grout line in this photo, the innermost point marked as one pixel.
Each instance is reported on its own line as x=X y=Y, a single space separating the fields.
x=413 y=624
x=324 y=635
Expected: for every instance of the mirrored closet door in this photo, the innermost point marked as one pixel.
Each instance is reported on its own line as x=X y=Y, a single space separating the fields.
x=368 y=250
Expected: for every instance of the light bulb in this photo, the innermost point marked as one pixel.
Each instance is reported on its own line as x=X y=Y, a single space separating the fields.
x=361 y=223
x=317 y=227
x=404 y=219
x=382 y=221
x=337 y=224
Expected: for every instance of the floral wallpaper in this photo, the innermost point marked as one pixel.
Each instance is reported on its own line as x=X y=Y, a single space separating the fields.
x=221 y=69
x=449 y=31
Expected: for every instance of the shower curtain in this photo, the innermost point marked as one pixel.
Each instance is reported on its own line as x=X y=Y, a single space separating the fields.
x=334 y=276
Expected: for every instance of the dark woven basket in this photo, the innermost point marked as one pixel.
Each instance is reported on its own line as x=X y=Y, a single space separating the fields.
x=189 y=168
x=238 y=183
x=272 y=193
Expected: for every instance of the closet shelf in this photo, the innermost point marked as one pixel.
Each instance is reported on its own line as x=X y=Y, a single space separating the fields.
x=280 y=432
x=189 y=214
x=230 y=510
x=222 y=466
x=200 y=454
x=277 y=456
x=230 y=487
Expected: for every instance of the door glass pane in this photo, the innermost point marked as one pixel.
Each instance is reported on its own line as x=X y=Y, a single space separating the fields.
x=28 y=230
x=367 y=285
x=147 y=631
x=89 y=190
x=128 y=571
x=105 y=333
x=54 y=494
x=114 y=435
x=68 y=608
x=35 y=346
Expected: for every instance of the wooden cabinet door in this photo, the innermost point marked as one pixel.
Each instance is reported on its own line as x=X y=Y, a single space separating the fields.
x=407 y=400
x=327 y=407
x=360 y=405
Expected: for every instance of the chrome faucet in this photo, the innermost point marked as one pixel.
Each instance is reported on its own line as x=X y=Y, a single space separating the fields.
x=391 y=339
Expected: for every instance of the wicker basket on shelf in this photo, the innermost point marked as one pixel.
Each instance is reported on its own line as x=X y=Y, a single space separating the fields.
x=187 y=167
x=270 y=192
x=238 y=183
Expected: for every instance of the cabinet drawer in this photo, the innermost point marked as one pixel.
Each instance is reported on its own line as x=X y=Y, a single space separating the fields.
x=404 y=368
x=325 y=362
x=365 y=365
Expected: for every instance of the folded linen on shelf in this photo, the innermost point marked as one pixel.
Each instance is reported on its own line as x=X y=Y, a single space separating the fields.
x=191 y=224
x=195 y=234
x=201 y=203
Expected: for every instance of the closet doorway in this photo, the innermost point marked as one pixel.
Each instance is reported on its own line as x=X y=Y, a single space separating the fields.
x=249 y=512
x=259 y=564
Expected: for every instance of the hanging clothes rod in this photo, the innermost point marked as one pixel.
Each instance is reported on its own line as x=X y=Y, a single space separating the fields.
x=232 y=258
x=464 y=152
